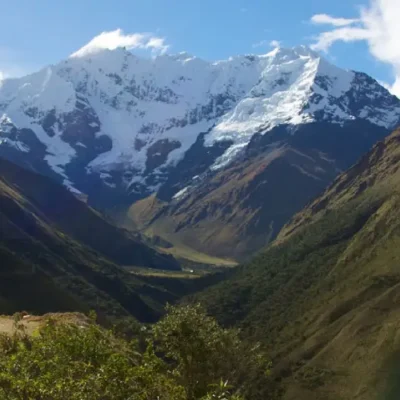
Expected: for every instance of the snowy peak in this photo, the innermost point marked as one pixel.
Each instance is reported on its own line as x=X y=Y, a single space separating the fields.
x=297 y=86
x=129 y=119
x=44 y=90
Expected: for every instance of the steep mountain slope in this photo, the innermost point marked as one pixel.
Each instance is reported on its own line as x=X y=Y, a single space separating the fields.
x=120 y=128
x=57 y=206
x=236 y=211
x=325 y=297
x=239 y=209
x=115 y=126
x=53 y=251
x=376 y=171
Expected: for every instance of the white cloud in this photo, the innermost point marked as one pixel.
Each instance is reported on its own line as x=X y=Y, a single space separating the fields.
x=261 y=43
x=329 y=20
x=347 y=34
x=384 y=84
x=378 y=25
x=265 y=43
x=114 y=39
x=9 y=70
x=12 y=64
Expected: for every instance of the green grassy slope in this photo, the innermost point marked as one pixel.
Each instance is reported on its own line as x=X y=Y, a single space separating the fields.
x=57 y=206
x=48 y=264
x=325 y=298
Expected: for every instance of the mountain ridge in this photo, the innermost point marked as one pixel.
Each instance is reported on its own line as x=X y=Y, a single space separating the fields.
x=57 y=206
x=111 y=122
x=119 y=128
x=238 y=210
x=58 y=254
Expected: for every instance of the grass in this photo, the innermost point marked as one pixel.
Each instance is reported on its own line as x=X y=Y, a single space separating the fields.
x=138 y=271
x=185 y=253
x=324 y=298
x=49 y=263
x=307 y=299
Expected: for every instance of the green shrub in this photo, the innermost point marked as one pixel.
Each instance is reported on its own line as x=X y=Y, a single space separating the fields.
x=188 y=356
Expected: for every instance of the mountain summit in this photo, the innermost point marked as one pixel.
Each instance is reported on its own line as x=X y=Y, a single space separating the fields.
x=112 y=124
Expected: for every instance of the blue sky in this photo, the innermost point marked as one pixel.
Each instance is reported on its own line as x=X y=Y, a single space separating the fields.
x=37 y=33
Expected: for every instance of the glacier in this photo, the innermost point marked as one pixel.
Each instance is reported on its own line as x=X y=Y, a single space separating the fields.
x=152 y=110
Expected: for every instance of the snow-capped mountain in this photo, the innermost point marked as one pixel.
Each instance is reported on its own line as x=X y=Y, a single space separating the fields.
x=112 y=121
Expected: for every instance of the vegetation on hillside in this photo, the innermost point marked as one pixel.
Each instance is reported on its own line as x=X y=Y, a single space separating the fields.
x=235 y=211
x=324 y=298
x=53 y=246
x=323 y=301
x=278 y=285
x=46 y=200
x=185 y=356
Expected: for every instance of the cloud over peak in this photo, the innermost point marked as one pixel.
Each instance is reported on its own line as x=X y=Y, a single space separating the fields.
x=114 y=39
x=329 y=20
x=377 y=24
x=266 y=43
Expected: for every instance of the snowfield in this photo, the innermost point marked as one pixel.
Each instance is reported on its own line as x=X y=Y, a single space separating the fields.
x=158 y=107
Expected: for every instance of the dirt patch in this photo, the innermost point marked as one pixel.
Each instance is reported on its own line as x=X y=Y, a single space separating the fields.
x=33 y=322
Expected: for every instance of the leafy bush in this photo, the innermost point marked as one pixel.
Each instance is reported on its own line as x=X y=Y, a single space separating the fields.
x=188 y=356
x=202 y=352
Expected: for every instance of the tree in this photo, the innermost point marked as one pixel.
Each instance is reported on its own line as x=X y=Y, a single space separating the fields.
x=204 y=354
x=70 y=362
x=188 y=356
